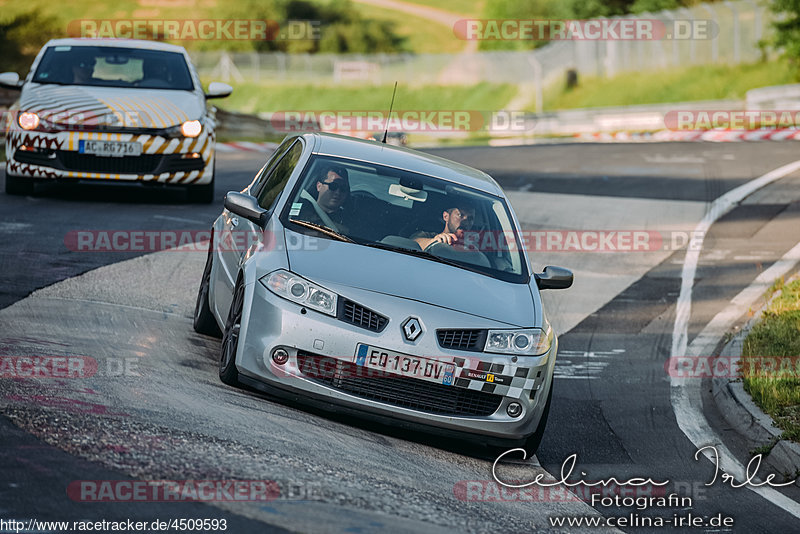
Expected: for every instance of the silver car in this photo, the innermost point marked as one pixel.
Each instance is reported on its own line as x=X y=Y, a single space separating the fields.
x=372 y=279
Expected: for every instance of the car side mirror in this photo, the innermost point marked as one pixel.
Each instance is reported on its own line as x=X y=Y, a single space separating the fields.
x=10 y=80
x=554 y=278
x=245 y=206
x=218 y=90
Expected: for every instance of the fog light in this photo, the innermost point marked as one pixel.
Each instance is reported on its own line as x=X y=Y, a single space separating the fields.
x=514 y=409
x=280 y=356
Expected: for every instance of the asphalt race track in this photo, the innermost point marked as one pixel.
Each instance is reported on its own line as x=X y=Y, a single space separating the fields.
x=155 y=409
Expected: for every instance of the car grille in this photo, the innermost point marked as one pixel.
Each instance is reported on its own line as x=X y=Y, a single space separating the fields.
x=143 y=164
x=358 y=315
x=36 y=157
x=462 y=339
x=75 y=161
x=179 y=164
x=405 y=392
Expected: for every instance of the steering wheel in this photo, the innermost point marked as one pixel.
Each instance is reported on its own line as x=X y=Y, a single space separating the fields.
x=459 y=246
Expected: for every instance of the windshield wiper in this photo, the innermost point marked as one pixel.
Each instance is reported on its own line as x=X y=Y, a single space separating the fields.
x=330 y=232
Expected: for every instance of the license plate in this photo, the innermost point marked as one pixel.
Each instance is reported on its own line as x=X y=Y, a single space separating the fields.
x=396 y=363
x=110 y=148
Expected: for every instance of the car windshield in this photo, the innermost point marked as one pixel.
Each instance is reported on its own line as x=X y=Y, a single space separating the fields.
x=107 y=66
x=409 y=213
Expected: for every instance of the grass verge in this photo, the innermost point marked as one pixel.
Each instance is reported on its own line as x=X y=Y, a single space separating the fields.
x=254 y=98
x=777 y=335
x=423 y=36
x=705 y=82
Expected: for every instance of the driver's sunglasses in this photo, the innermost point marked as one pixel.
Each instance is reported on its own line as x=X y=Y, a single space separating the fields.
x=336 y=185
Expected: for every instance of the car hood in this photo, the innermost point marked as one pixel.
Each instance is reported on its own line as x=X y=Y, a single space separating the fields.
x=400 y=275
x=111 y=106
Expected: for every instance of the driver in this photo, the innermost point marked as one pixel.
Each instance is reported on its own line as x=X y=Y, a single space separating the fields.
x=333 y=189
x=457 y=220
x=82 y=70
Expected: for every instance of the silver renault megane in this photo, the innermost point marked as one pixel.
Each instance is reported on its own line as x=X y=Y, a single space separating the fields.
x=372 y=279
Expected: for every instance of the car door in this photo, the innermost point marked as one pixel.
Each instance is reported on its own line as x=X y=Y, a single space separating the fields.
x=239 y=234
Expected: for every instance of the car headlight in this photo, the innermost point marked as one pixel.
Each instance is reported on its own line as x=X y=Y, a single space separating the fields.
x=191 y=128
x=28 y=120
x=297 y=289
x=186 y=129
x=528 y=341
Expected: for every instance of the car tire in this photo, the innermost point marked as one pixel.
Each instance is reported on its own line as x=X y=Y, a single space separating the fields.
x=531 y=443
x=230 y=338
x=202 y=194
x=204 y=321
x=17 y=185
x=534 y=440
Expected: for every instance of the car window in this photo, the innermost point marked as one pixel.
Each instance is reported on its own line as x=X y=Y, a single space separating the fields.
x=278 y=176
x=401 y=210
x=110 y=66
x=264 y=173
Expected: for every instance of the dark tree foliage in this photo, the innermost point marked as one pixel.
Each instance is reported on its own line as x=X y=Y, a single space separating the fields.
x=21 y=38
x=787 y=27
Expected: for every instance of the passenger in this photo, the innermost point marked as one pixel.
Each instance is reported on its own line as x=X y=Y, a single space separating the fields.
x=457 y=220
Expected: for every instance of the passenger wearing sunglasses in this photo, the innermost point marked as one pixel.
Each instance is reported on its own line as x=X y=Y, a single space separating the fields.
x=333 y=190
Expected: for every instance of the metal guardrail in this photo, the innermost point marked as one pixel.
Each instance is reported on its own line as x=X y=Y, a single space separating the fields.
x=648 y=117
x=776 y=97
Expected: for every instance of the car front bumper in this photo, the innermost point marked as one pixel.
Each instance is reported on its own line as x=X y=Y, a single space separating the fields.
x=166 y=160
x=334 y=381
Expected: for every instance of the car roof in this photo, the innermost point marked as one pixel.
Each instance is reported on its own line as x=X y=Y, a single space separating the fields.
x=403 y=158
x=124 y=43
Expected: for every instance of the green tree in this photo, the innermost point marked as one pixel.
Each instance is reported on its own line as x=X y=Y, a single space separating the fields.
x=340 y=26
x=787 y=27
x=22 y=36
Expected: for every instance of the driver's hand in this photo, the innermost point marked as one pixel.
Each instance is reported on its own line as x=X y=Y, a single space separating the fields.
x=446 y=238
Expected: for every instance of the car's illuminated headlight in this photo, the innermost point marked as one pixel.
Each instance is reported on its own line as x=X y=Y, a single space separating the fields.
x=191 y=128
x=528 y=341
x=292 y=287
x=28 y=120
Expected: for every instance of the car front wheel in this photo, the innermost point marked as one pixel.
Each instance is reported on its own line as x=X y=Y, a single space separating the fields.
x=230 y=339
x=535 y=439
x=204 y=321
x=532 y=442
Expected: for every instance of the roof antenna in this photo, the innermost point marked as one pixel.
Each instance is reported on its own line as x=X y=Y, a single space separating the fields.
x=391 y=106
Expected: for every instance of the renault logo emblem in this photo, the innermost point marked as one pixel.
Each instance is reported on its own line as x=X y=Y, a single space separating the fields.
x=412 y=329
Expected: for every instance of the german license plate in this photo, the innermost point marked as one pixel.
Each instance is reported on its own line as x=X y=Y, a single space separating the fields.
x=396 y=363
x=109 y=148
